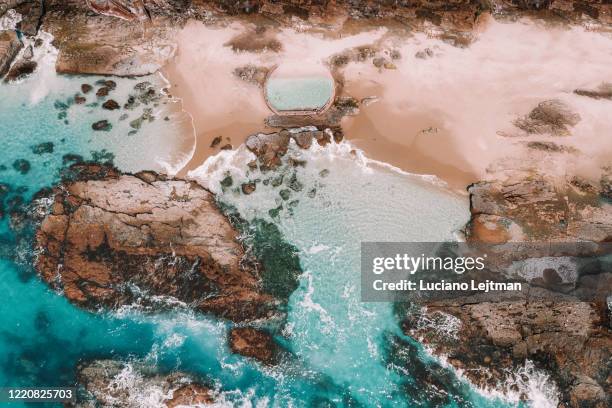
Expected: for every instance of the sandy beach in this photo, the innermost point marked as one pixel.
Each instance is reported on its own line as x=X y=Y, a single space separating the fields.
x=432 y=108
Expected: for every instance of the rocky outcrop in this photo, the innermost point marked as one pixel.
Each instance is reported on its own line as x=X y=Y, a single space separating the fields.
x=9 y=47
x=551 y=230
x=126 y=10
x=112 y=239
x=568 y=338
x=254 y=343
x=121 y=384
x=101 y=44
x=271 y=147
x=537 y=208
x=121 y=37
x=31 y=14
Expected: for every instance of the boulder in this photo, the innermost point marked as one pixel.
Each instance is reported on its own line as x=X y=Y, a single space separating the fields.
x=111 y=104
x=269 y=148
x=254 y=343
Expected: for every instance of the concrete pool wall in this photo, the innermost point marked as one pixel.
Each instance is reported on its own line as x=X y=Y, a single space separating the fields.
x=304 y=89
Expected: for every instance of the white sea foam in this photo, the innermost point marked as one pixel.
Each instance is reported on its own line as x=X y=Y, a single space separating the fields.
x=443 y=324
x=9 y=20
x=524 y=384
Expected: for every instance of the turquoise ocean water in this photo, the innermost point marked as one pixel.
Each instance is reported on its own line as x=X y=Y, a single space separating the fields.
x=343 y=352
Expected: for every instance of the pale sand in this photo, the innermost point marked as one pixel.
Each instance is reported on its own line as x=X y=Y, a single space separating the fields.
x=442 y=115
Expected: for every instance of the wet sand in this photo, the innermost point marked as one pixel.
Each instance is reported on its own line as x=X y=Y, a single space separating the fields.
x=441 y=115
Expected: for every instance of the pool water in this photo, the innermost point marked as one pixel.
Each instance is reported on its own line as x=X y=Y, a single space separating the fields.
x=299 y=93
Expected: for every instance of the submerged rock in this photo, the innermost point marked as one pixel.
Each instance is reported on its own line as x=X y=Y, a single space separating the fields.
x=42 y=148
x=22 y=166
x=103 y=125
x=109 y=83
x=114 y=232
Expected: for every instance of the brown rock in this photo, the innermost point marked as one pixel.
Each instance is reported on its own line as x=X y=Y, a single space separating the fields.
x=9 y=47
x=165 y=236
x=111 y=104
x=253 y=343
x=248 y=188
x=31 y=12
x=105 y=45
x=20 y=70
x=103 y=91
x=215 y=142
x=86 y=88
x=304 y=139
x=269 y=148
x=79 y=100
x=190 y=395
x=126 y=10
x=569 y=334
